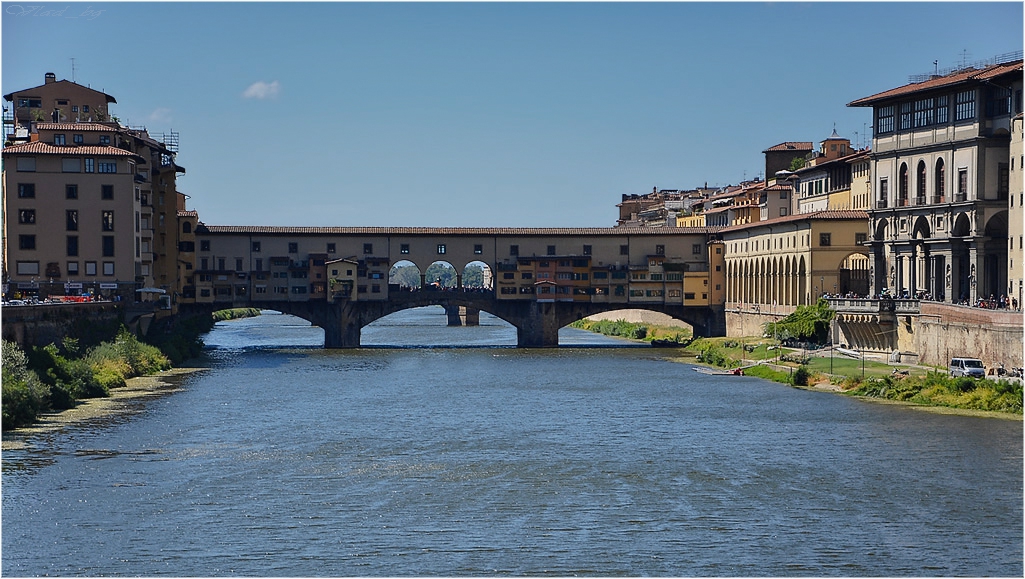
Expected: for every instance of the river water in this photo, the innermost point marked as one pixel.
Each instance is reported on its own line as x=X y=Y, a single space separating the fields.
x=478 y=458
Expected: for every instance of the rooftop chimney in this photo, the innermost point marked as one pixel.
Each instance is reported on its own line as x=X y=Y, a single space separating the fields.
x=50 y=77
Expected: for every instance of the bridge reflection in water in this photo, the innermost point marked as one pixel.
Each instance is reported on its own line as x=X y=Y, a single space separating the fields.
x=540 y=279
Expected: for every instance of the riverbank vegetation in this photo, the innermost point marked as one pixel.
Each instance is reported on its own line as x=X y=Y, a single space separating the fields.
x=57 y=376
x=634 y=330
x=765 y=358
x=235 y=314
x=54 y=378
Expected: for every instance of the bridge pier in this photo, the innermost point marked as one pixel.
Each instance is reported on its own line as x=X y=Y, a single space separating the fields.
x=462 y=316
x=539 y=327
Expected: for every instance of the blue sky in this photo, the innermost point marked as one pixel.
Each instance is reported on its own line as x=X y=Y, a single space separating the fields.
x=484 y=114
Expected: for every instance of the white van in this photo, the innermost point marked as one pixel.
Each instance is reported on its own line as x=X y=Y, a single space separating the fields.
x=972 y=367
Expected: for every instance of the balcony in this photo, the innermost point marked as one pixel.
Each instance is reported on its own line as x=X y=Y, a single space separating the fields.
x=920 y=200
x=874 y=306
x=960 y=197
x=881 y=204
x=937 y=199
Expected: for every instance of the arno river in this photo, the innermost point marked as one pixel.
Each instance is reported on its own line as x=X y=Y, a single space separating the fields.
x=477 y=458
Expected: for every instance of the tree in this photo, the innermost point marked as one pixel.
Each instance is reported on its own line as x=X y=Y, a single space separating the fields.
x=807 y=323
x=796 y=163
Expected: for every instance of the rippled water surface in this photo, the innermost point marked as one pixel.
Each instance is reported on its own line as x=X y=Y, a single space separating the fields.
x=287 y=460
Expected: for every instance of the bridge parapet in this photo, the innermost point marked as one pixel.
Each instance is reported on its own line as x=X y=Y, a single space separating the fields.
x=874 y=306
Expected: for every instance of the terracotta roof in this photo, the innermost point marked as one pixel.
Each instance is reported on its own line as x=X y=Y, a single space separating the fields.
x=825 y=215
x=960 y=77
x=453 y=231
x=41 y=148
x=188 y=213
x=792 y=146
x=83 y=127
x=10 y=96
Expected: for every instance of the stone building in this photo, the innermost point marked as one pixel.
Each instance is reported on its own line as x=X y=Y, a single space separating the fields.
x=940 y=171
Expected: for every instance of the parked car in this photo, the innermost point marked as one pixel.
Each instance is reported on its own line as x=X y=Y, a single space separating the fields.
x=972 y=367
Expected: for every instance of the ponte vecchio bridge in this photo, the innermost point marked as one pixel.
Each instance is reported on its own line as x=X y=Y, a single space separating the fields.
x=538 y=279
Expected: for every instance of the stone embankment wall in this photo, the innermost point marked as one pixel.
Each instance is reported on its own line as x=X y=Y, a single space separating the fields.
x=51 y=323
x=942 y=332
x=750 y=320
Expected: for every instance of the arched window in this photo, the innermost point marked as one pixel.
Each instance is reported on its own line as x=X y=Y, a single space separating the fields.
x=941 y=182
x=187 y=227
x=902 y=186
x=920 y=184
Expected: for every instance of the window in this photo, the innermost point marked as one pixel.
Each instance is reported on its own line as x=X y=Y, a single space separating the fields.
x=941 y=182
x=186 y=227
x=90 y=165
x=860 y=238
x=238 y=264
x=26 y=190
x=441 y=249
x=941 y=109
x=1003 y=181
x=256 y=247
x=106 y=191
x=962 y=184
x=884 y=120
x=204 y=245
x=72 y=246
x=551 y=250
x=27 y=216
x=514 y=250
x=825 y=239
x=527 y=275
x=220 y=264
x=108 y=220
x=108 y=268
x=331 y=248
x=107 y=166
x=26 y=242
x=478 y=249
x=368 y=248
x=964 y=105
x=293 y=247
x=902 y=185
x=71 y=191
x=28 y=268
x=688 y=296
x=26 y=164
x=74 y=108
x=78 y=139
x=782 y=211
x=104 y=139
x=920 y=184
x=71 y=165
x=259 y=264
x=509 y=275
x=660 y=250
x=924 y=111
x=696 y=249
x=204 y=263
x=904 y=122
x=404 y=248
x=883 y=193
x=108 y=246
x=624 y=250
x=59 y=140
x=72 y=268
x=85 y=108
x=71 y=220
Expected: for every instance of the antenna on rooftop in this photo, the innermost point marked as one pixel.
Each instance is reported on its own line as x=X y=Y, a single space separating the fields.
x=72 y=69
x=936 y=67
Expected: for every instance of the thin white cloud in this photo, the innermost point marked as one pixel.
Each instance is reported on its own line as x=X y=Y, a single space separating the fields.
x=160 y=115
x=262 y=90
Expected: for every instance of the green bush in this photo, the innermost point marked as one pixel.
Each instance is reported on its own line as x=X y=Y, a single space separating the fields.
x=800 y=376
x=24 y=395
